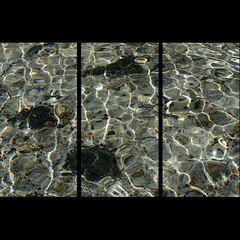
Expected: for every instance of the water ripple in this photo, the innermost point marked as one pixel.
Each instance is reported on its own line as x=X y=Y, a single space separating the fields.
x=200 y=119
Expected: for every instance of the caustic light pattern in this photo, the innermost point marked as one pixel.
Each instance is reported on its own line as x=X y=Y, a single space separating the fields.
x=119 y=119
x=38 y=119
x=200 y=108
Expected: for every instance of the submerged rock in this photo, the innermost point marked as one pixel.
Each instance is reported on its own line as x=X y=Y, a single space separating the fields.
x=71 y=161
x=40 y=116
x=33 y=51
x=98 y=162
x=123 y=66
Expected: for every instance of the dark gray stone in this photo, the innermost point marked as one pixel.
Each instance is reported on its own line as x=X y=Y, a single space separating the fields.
x=98 y=162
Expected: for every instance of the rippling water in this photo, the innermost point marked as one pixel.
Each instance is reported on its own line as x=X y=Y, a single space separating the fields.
x=119 y=119
x=38 y=119
x=201 y=119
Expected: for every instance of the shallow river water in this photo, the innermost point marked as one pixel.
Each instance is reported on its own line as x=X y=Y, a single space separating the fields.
x=119 y=119
x=200 y=119
x=38 y=119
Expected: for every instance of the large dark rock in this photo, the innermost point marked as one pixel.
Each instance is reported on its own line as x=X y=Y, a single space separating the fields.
x=98 y=162
x=123 y=66
x=115 y=70
x=41 y=116
x=38 y=117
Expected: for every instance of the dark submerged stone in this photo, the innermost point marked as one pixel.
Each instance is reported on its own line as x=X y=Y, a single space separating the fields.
x=33 y=51
x=98 y=162
x=123 y=66
x=41 y=116
x=71 y=161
